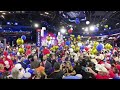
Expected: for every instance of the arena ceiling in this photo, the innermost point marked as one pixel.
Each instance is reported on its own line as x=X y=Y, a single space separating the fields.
x=54 y=20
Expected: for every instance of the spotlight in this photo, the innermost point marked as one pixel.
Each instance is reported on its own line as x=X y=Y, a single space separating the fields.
x=105 y=29
x=109 y=27
x=63 y=30
x=3 y=13
x=83 y=28
x=46 y=13
x=8 y=23
x=86 y=29
x=16 y=23
x=87 y=22
x=92 y=28
x=36 y=25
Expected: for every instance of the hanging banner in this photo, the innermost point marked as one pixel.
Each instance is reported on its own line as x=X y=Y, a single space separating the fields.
x=38 y=37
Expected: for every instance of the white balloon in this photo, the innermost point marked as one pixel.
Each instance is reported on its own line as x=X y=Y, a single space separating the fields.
x=22 y=46
x=8 y=57
x=18 y=54
x=27 y=69
x=71 y=50
x=79 y=44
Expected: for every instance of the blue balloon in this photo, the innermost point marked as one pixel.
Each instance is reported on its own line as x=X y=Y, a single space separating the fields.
x=41 y=48
x=13 y=53
x=49 y=46
x=60 y=48
x=99 y=47
x=68 y=43
x=31 y=71
x=82 y=47
x=23 y=37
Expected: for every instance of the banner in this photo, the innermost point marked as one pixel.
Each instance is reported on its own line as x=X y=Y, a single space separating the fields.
x=38 y=38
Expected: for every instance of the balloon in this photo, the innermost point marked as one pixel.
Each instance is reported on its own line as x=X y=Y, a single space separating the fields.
x=72 y=36
x=77 y=49
x=5 y=53
x=31 y=71
x=46 y=51
x=53 y=49
x=48 y=38
x=23 y=37
x=79 y=44
x=86 y=48
x=94 y=51
x=60 y=48
x=78 y=38
x=13 y=53
x=70 y=31
x=73 y=47
x=99 y=47
x=28 y=52
x=74 y=39
x=18 y=54
x=108 y=46
x=71 y=50
x=82 y=47
x=28 y=46
x=21 y=50
x=95 y=44
x=56 y=47
x=20 y=41
x=68 y=43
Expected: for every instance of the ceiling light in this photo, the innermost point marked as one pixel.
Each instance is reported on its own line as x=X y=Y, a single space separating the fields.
x=92 y=28
x=3 y=13
x=46 y=13
x=36 y=25
x=87 y=22
x=83 y=28
x=63 y=30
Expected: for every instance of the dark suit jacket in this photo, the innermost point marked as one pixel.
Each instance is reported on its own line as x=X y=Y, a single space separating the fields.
x=48 y=67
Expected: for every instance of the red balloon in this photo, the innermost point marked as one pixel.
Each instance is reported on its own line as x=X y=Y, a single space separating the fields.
x=28 y=52
x=28 y=46
x=5 y=53
x=46 y=51
x=86 y=48
x=70 y=31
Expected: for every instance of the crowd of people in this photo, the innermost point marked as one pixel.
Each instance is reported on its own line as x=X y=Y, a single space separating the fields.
x=60 y=62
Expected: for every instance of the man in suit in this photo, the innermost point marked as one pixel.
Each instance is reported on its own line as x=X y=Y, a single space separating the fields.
x=47 y=65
